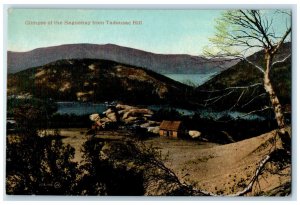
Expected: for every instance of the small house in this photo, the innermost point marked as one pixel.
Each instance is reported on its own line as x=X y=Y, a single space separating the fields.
x=171 y=129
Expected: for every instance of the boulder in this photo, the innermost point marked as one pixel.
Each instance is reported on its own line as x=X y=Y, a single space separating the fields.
x=154 y=130
x=194 y=134
x=130 y=120
x=121 y=112
x=150 y=124
x=145 y=125
x=137 y=112
x=126 y=115
x=105 y=119
x=112 y=116
x=124 y=107
x=154 y=122
x=143 y=111
x=108 y=111
x=94 y=117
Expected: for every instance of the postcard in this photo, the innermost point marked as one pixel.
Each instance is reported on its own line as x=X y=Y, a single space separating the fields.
x=148 y=102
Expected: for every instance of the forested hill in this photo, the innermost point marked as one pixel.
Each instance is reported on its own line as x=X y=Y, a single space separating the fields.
x=93 y=80
x=240 y=86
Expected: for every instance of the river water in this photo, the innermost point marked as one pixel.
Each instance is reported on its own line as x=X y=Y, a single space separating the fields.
x=80 y=108
x=191 y=79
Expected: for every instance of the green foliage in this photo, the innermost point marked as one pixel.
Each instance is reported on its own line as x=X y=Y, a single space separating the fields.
x=243 y=32
x=239 y=34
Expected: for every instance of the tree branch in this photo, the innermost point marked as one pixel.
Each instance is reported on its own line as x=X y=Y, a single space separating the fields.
x=280 y=61
x=260 y=27
x=253 y=99
x=281 y=41
x=237 y=102
x=217 y=98
x=254 y=178
x=232 y=88
x=254 y=111
x=256 y=66
x=257 y=23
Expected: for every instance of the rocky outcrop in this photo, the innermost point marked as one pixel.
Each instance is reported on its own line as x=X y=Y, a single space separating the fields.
x=129 y=116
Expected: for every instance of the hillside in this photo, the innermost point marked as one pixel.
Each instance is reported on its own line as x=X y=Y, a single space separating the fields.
x=227 y=169
x=97 y=81
x=229 y=84
x=160 y=63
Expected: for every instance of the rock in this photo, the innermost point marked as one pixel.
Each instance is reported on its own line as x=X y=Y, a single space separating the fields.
x=154 y=122
x=121 y=112
x=108 y=111
x=194 y=134
x=149 y=124
x=94 y=117
x=142 y=111
x=145 y=125
x=154 y=130
x=124 y=107
x=112 y=116
x=105 y=119
x=137 y=112
x=130 y=120
x=125 y=111
x=126 y=115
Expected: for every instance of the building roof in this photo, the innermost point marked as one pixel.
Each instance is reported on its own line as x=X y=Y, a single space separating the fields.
x=170 y=125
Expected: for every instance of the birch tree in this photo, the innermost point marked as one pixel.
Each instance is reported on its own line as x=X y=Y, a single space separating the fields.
x=243 y=32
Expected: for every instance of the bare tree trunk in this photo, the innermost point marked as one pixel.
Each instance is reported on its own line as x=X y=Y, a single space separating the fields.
x=273 y=97
x=285 y=137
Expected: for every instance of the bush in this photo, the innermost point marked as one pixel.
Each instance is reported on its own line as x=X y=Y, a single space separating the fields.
x=40 y=166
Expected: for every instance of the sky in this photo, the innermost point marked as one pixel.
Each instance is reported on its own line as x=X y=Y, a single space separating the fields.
x=161 y=31
x=158 y=31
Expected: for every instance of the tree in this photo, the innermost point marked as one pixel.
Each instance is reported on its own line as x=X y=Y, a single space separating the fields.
x=243 y=32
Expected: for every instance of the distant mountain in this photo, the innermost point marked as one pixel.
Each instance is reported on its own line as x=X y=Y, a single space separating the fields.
x=224 y=91
x=93 y=80
x=160 y=63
